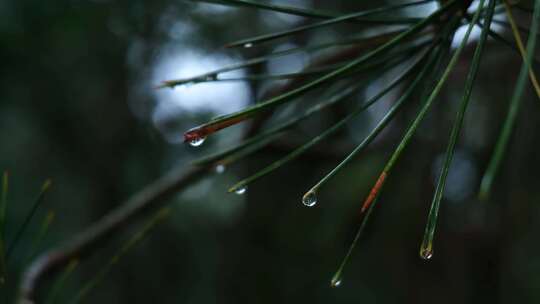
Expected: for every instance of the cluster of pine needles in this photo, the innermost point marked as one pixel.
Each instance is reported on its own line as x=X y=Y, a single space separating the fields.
x=421 y=47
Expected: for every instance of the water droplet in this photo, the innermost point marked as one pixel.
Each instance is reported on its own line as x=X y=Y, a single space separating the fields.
x=241 y=190
x=310 y=199
x=336 y=281
x=220 y=168
x=426 y=253
x=197 y=141
x=248 y=45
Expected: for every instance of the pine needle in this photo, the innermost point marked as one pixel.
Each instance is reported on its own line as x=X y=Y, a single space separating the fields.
x=426 y=248
x=159 y=217
x=515 y=103
x=37 y=202
x=522 y=51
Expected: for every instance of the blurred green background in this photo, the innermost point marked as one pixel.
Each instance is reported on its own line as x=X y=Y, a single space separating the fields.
x=78 y=105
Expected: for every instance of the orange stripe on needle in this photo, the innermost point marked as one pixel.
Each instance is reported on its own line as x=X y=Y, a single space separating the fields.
x=373 y=193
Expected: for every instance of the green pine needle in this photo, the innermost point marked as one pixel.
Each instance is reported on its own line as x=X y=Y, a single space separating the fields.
x=328 y=132
x=37 y=202
x=264 y=106
x=362 y=40
x=420 y=116
x=41 y=235
x=426 y=249
x=158 y=217
x=337 y=278
x=380 y=126
x=372 y=198
x=515 y=103
x=58 y=285
x=259 y=141
x=311 y=13
x=522 y=51
x=249 y=42
x=504 y=41
x=262 y=139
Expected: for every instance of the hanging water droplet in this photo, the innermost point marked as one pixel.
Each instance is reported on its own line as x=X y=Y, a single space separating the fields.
x=426 y=253
x=248 y=45
x=197 y=141
x=220 y=168
x=241 y=190
x=336 y=281
x=310 y=199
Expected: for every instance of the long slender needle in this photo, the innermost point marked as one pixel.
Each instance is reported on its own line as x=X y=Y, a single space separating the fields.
x=234 y=118
x=515 y=103
x=40 y=237
x=342 y=122
x=304 y=12
x=337 y=278
x=420 y=116
x=309 y=195
x=58 y=285
x=158 y=217
x=426 y=248
x=521 y=48
x=37 y=202
x=371 y=202
x=249 y=42
x=261 y=140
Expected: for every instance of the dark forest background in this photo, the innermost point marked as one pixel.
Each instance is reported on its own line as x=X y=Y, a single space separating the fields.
x=78 y=105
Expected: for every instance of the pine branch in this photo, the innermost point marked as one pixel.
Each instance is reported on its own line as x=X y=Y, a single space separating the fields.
x=86 y=242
